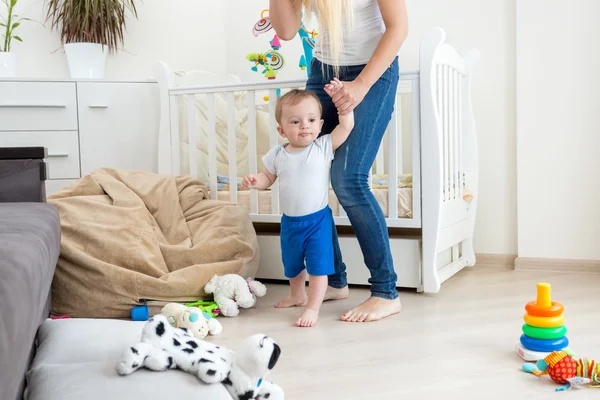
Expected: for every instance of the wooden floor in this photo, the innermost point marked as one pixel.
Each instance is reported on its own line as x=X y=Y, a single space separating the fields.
x=456 y=344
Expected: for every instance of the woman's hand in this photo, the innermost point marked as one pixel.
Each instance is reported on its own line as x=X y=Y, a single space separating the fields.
x=347 y=95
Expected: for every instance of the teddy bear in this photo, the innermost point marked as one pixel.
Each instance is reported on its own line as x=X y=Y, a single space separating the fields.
x=193 y=319
x=243 y=372
x=232 y=291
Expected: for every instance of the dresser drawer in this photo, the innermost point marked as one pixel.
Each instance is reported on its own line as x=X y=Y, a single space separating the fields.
x=38 y=106
x=63 y=150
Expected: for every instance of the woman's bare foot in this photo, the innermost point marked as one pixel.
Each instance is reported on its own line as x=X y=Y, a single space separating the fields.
x=308 y=318
x=373 y=309
x=336 y=294
x=292 y=301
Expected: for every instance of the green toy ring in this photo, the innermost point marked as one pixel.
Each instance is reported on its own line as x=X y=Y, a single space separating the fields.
x=544 y=333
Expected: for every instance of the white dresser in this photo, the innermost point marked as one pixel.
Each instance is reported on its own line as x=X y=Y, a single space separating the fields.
x=84 y=124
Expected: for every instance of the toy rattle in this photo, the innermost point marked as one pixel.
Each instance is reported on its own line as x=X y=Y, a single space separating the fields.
x=563 y=368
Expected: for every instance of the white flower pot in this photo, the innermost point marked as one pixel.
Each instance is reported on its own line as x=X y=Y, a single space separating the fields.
x=8 y=65
x=86 y=60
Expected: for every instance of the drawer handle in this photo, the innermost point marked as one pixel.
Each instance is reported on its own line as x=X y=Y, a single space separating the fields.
x=57 y=154
x=31 y=105
x=98 y=106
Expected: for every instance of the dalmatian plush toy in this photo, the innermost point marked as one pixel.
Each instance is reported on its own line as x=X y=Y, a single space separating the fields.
x=163 y=347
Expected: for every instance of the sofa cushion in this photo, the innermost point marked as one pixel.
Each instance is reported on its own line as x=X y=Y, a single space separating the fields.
x=77 y=359
x=29 y=249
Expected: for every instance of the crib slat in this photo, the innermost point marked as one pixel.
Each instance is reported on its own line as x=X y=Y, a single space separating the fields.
x=446 y=124
x=451 y=132
x=212 y=146
x=440 y=105
x=461 y=177
x=393 y=140
x=380 y=161
x=175 y=148
x=399 y=134
x=273 y=136
x=192 y=148
x=231 y=146
x=416 y=149
x=252 y=151
x=457 y=150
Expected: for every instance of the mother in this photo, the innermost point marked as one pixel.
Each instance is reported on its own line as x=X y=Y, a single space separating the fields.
x=358 y=42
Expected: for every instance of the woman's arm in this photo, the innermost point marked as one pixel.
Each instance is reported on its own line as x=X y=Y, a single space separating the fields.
x=285 y=17
x=395 y=19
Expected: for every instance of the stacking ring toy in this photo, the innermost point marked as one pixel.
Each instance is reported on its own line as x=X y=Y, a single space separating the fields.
x=546 y=346
x=535 y=310
x=544 y=322
x=544 y=333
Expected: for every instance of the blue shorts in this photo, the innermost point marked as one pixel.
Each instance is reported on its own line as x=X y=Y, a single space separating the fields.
x=308 y=237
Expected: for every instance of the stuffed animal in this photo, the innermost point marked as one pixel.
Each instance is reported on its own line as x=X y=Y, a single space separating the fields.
x=193 y=319
x=231 y=291
x=163 y=347
x=564 y=368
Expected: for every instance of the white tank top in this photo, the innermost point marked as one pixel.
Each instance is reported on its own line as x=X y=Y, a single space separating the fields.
x=360 y=42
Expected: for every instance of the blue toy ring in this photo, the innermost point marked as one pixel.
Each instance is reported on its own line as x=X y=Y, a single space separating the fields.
x=544 y=345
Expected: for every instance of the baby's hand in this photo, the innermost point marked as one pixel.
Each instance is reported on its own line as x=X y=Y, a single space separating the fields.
x=333 y=87
x=249 y=181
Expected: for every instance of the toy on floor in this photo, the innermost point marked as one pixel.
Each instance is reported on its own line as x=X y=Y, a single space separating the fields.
x=209 y=307
x=242 y=372
x=563 y=368
x=232 y=291
x=544 y=330
x=199 y=323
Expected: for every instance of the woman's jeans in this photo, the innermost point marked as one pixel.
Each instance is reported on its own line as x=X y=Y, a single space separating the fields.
x=350 y=172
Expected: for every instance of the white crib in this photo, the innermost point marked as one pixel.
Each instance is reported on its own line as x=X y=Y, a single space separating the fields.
x=429 y=149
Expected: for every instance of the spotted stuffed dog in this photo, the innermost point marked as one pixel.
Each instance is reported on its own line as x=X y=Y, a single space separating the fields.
x=163 y=347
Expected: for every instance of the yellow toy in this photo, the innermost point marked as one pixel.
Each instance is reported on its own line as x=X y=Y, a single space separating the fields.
x=544 y=331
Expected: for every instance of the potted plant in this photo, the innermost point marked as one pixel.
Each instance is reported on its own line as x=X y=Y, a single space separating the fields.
x=89 y=30
x=8 y=24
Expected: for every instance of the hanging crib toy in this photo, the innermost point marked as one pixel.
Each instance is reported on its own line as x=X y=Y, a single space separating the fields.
x=272 y=60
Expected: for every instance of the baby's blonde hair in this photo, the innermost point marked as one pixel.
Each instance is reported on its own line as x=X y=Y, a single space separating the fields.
x=334 y=16
x=294 y=97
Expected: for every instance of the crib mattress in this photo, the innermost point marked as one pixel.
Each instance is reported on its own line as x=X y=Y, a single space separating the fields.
x=265 y=199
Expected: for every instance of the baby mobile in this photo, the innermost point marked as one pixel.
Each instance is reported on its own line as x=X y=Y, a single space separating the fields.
x=272 y=60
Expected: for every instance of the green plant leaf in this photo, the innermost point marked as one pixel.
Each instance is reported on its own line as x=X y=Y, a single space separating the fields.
x=15 y=25
x=18 y=38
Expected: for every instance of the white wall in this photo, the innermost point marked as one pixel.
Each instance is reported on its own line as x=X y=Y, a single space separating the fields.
x=558 y=104
x=215 y=35
x=186 y=34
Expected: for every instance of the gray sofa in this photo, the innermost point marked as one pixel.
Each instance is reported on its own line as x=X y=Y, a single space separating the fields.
x=66 y=359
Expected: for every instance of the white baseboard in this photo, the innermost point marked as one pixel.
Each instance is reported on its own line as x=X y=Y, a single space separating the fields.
x=495 y=260
x=557 y=265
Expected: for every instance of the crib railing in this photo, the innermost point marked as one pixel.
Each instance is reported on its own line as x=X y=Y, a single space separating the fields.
x=389 y=158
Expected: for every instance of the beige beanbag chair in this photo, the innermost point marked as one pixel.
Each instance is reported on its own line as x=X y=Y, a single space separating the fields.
x=130 y=237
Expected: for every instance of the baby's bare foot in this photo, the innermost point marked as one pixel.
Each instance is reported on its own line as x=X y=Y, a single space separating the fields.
x=308 y=318
x=292 y=301
x=336 y=294
x=373 y=309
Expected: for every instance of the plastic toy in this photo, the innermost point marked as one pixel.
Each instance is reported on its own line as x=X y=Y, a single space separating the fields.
x=139 y=313
x=544 y=331
x=271 y=59
x=208 y=307
x=563 y=368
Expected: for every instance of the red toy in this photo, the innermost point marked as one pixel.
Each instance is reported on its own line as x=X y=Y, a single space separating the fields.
x=563 y=368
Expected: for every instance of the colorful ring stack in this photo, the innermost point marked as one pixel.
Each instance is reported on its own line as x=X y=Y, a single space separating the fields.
x=544 y=330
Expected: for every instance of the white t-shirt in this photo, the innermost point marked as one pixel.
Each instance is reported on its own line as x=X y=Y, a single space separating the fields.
x=360 y=42
x=303 y=176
